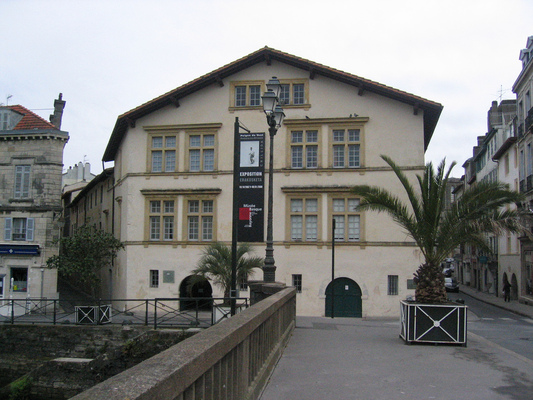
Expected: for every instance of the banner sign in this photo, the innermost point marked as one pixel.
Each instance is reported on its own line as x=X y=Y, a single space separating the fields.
x=251 y=187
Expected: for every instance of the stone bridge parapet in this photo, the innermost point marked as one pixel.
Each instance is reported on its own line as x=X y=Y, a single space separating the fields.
x=231 y=360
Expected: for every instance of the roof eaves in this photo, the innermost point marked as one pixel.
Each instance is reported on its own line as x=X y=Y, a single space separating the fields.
x=92 y=183
x=432 y=110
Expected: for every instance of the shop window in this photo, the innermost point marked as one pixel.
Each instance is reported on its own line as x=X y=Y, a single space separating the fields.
x=19 y=277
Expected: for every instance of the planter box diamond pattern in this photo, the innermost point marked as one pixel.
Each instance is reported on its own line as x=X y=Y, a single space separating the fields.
x=433 y=323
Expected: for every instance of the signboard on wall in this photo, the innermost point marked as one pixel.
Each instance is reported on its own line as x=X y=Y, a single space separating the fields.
x=251 y=187
x=20 y=249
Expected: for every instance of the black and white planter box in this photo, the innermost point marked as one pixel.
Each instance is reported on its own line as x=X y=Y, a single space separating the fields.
x=433 y=323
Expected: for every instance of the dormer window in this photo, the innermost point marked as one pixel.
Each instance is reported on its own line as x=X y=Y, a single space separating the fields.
x=9 y=119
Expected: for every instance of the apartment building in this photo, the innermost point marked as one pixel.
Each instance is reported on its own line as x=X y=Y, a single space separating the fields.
x=31 y=162
x=523 y=88
x=173 y=182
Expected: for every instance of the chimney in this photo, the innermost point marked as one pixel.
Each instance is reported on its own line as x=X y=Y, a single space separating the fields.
x=87 y=172
x=494 y=116
x=59 y=105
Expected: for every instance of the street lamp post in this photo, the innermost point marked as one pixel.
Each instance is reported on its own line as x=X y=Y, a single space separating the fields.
x=274 y=114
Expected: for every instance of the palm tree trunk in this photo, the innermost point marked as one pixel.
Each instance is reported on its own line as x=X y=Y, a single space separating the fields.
x=429 y=281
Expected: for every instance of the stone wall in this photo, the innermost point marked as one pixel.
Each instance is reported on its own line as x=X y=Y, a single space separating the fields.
x=46 y=159
x=25 y=347
x=69 y=360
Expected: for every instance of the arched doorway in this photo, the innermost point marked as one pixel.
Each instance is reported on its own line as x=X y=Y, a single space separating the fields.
x=505 y=279
x=199 y=288
x=514 y=287
x=343 y=299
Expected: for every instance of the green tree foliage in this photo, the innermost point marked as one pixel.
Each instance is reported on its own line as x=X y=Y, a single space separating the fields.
x=215 y=264
x=21 y=389
x=83 y=254
x=436 y=230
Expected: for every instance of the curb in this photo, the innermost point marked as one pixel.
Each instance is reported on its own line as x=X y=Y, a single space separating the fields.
x=495 y=304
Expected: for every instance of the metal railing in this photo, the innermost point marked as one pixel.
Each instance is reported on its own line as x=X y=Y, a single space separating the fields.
x=232 y=360
x=157 y=312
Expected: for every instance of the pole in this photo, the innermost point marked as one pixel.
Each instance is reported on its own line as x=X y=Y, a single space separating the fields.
x=269 y=269
x=333 y=268
x=235 y=220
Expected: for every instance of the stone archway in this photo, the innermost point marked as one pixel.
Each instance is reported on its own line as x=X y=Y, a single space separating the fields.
x=199 y=291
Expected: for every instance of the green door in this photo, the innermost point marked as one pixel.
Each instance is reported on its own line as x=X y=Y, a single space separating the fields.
x=343 y=299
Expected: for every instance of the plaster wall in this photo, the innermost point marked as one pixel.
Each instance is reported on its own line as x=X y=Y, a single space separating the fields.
x=388 y=127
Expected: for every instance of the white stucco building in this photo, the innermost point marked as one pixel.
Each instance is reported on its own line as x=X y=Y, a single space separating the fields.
x=173 y=177
x=523 y=88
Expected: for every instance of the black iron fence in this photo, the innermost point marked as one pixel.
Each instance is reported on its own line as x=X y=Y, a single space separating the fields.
x=158 y=312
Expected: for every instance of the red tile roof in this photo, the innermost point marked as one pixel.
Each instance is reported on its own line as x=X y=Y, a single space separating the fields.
x=30 y=120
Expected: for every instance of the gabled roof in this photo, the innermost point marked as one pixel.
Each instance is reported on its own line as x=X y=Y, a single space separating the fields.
x=432 y=110
x=29 y=120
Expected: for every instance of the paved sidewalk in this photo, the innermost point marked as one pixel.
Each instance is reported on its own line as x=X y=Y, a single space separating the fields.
x=514 y=306
x=349 y=358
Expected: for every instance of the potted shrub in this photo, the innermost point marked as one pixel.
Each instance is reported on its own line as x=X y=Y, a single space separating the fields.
x=438 y=231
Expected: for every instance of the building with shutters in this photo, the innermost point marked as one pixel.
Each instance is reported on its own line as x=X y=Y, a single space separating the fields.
x=31 y=163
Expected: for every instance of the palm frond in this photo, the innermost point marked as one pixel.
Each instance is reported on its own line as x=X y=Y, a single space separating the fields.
x=215 y=264
x=436 y=230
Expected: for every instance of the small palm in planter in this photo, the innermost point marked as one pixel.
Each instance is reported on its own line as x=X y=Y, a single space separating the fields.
x=438 y=231
x=215 y=265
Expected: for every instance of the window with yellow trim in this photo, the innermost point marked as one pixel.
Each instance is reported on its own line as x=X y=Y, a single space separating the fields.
x=246 y=94
x=161 y=220
x=200 y=217
x=201 y=152
x=294 y=92
x=304 y=219
x=346 y=147
x=347 y=218
x=162 y=153
x=305 y=149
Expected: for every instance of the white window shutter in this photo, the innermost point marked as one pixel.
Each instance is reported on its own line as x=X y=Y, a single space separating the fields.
x=29 y=229
x=8 y=229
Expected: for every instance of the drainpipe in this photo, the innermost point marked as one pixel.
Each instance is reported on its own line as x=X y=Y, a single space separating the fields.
x=113 y=233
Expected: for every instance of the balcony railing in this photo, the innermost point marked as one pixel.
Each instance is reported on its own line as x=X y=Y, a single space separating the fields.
x=529 y=120
x=520 y=130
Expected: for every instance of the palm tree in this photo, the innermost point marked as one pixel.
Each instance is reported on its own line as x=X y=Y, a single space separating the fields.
x=215 y=264
x=438 y=231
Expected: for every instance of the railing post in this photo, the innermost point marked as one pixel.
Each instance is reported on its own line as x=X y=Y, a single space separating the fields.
x=155 y=314
x=97 y=314
x=146 y=313
x=197 y=309
x=55 y=313
x=12 y=311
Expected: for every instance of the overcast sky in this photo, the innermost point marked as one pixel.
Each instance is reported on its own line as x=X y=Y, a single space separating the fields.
x=108 y=57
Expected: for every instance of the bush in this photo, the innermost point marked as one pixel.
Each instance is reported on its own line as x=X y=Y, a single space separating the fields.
x=20 y=389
